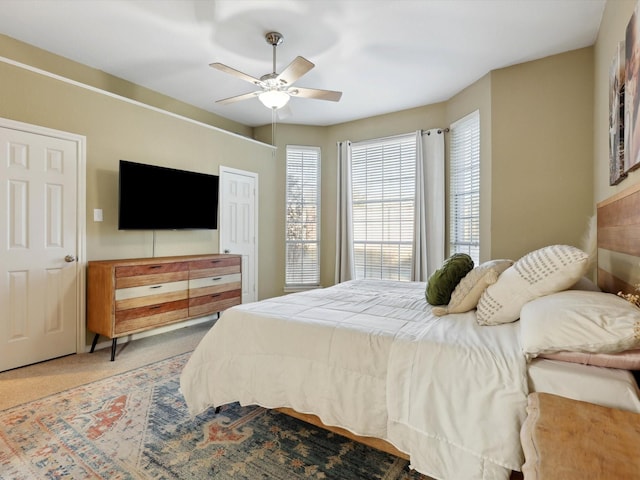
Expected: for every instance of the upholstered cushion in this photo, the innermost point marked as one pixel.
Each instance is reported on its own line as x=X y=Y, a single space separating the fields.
x=467 y=293
x=444 y=280
x=541 y=272
x=573 y=440
x=579 y=321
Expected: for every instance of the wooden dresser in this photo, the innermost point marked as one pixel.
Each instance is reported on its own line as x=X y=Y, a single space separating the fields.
x=133 y=295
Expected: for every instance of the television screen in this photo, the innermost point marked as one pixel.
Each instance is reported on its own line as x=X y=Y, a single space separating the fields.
x=160 y=198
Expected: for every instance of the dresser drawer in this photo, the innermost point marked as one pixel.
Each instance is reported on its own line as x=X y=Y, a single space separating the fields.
x=215 y=267
x=142 y=318
x=214 y=303
x=215 y=263
x=133 y=297
x=195 y=284
x=151 y=279
x=145 y=290
x=137 y=275
x=151 y=269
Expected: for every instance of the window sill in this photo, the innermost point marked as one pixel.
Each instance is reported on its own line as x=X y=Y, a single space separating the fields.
x=301 y=288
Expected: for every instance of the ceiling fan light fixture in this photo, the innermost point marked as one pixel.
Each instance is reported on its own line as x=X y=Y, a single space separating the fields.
x=275 y=88
x=274 y=99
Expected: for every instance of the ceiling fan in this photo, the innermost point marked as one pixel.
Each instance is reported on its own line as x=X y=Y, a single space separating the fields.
x=276 y=88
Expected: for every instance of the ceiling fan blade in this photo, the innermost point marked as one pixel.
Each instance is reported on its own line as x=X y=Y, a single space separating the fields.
x=330 y=95
x=237 y=98
x=295 y=70
x=236 y=73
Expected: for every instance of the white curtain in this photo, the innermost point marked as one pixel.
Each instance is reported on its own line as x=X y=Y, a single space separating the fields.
x=345 y=267
x=429 y=233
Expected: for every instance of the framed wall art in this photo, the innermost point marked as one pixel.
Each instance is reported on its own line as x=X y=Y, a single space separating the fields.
x=616 y=116
x=632 y=93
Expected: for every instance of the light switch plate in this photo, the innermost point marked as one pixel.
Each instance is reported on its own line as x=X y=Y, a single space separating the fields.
x=97 y=214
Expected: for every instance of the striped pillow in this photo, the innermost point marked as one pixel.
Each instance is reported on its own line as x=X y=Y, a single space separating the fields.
x=542 y=272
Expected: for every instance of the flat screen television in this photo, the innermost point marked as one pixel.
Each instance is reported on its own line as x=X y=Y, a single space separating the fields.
x=160 y=198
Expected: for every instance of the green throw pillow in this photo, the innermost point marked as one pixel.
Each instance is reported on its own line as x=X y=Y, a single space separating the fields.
x=442 y=283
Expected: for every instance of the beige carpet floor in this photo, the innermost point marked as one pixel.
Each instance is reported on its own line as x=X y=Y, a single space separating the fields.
x=36 y=381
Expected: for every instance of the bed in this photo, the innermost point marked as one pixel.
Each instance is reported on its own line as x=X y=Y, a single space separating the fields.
x=371 y=359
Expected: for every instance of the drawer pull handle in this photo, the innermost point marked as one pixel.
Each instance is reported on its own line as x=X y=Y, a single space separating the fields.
x=155 y=266
x=154 y=307
x=216 y=261
x=214 y=279
x=215 y=295
x=156 y=286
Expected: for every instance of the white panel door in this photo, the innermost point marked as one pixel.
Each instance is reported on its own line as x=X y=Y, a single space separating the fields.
x=238 y=224
x=38 y=289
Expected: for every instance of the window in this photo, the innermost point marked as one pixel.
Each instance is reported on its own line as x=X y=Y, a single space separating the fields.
x=303 y=217
x=383 y=190
x=464 y=178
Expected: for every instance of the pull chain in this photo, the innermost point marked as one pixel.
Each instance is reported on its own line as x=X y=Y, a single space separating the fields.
x=274 y=117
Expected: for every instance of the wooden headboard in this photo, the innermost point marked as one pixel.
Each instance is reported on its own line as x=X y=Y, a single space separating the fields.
x=619 y=241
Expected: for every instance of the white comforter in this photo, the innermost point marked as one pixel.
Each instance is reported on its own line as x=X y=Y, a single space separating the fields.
x=369 y=356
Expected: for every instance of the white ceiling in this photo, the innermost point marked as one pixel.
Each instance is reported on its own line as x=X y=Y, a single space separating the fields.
x=384 y=55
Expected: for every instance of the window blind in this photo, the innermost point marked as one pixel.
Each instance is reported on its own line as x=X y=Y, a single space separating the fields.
x=302 y=217
x=383 y=193
x=464 y=188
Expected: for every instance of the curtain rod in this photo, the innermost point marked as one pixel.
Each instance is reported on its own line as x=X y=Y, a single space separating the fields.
x=384 y=139
x=394 y=137
x=439 y=130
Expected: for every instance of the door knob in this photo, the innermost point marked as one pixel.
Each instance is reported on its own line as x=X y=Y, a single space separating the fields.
x=70 y=258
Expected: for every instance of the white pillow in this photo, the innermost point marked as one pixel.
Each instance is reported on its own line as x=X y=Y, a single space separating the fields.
x=579 y=321
x=541 y=272
x=467 y=293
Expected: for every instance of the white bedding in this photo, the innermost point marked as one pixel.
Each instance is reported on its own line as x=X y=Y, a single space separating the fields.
x=369 y=356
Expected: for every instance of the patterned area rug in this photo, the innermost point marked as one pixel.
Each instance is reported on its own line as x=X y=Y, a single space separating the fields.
x=135 y=426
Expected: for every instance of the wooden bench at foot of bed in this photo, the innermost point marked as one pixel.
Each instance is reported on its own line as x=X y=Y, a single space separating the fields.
x=572 y=440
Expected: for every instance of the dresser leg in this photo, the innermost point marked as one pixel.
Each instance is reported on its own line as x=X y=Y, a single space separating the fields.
x=94 y=343
x=114 y=342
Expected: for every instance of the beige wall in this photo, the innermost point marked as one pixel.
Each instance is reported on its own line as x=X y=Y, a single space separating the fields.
x=537 y=173
x=535 y=121
x=542 y=121
x=536 y=156
x=612 y=30
x=40 y=59
x=119 y=129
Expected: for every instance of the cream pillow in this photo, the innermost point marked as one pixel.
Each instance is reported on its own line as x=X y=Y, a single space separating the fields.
x=541 y=272
x=467 y=293
x=579 y=321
